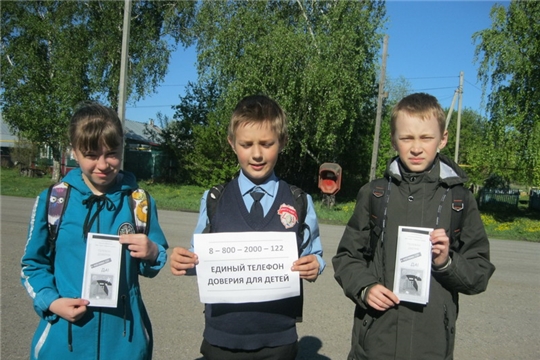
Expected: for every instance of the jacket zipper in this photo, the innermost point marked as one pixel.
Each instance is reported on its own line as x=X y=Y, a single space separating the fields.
x=125 y=313
x=99 y=336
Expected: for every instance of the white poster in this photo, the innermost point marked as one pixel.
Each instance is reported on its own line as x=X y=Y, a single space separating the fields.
x=412 y=274
x=246 y=266
x=102 y=270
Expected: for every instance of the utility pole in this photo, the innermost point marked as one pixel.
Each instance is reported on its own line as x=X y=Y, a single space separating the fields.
x=379 y=112
x=458 y=125
x=449 y=116
x=122 y=96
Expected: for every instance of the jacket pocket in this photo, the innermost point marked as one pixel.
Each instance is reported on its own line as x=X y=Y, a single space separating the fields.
x=363 y=329
x=41 y=340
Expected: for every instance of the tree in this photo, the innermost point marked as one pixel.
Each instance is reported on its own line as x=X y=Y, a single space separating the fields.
x=396 y=89
x=177 y=136
x=473 y=144
x=317 y=59
x=56 y=54
x=509 y=57
x=40 y=80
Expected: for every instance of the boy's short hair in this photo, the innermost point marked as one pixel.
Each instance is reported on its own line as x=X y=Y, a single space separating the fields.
x=259 y=109
x=421 y=105
x=93 y=126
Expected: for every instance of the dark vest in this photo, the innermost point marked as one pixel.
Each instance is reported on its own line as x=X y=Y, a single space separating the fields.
x=250 y=326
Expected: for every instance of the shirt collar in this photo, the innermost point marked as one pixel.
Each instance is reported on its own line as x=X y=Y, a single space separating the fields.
x=246 y=185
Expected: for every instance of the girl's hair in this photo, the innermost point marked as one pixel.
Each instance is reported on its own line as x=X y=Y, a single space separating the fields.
x=93 y=126
x=259 y=109
x=420 y=105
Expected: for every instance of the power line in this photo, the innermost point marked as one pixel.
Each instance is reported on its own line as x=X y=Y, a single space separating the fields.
x=473 y=85
x=149 y=106
x=433 y=77
x=439 y=88
x=426 y=77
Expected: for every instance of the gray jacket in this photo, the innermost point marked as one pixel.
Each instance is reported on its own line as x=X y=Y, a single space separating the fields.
x=412 y=331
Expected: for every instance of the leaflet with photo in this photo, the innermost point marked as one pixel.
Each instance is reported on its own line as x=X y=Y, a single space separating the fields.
x=102 y=270
x=412 y=274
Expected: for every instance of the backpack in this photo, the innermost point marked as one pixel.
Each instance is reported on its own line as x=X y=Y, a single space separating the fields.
x=378 y=207
x=300 y=205
x=58 y=196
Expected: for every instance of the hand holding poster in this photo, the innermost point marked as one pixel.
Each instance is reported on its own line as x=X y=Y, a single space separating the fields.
x=246 y=266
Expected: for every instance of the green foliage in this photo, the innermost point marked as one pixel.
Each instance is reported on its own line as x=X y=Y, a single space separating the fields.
x=23 y=153
x=396 y=89
x=56 y=54
x=497 y=182
x=212 y=161
x=509 y=54
x=473 y=144
x=14 y=184
x=500 y=222
x=513 y=223
x=41 y=80
x=317 y=59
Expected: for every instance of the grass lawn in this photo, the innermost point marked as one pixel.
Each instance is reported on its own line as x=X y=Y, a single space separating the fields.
x=508 y=223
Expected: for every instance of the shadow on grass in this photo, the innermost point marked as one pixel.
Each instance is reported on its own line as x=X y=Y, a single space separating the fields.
x=502 y=212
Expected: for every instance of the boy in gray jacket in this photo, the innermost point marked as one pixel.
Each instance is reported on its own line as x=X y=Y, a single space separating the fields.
x=417 y=194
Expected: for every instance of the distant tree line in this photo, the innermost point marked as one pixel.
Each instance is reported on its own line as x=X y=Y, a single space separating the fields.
x=319 y=60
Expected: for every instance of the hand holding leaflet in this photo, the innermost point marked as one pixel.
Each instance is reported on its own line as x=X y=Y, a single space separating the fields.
x=412 y=274
x=102 y=270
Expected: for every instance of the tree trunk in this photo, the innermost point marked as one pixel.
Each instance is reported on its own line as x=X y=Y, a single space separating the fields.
x=57 y=152
x=56 y=171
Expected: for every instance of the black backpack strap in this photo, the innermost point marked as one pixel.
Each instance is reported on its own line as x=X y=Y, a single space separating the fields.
x=212 y=198
x=300 y=205
x=57 y=198
x=460 y=198
x=377 y=203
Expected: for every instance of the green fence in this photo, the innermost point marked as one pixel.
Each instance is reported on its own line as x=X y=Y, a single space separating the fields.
x=495 y=197
x=534 y=199
x=146 y=165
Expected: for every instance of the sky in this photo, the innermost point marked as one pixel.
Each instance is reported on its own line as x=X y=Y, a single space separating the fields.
x=429 y=44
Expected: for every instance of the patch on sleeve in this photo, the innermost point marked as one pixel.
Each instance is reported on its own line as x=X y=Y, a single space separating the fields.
x=126 y=228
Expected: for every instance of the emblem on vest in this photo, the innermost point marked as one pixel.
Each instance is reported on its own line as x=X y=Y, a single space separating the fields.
x=126 y=228
x=288 y=215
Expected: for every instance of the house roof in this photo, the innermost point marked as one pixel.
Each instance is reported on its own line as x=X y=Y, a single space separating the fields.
x=7 y=138
x=134 y=131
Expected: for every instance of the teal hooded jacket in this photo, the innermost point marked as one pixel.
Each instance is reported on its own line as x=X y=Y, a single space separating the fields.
x=102 y=333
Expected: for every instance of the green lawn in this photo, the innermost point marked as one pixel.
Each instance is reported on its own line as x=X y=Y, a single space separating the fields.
x=500 y=222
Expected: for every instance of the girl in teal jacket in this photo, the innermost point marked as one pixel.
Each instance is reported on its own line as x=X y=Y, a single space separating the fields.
x=99 y=201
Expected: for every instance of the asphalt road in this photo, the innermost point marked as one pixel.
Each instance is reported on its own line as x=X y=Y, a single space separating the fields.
x=502 y=323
